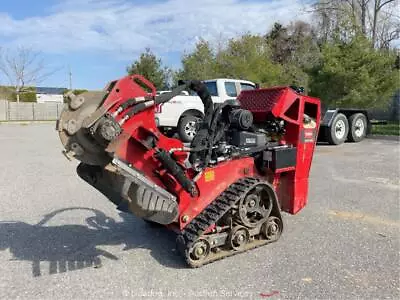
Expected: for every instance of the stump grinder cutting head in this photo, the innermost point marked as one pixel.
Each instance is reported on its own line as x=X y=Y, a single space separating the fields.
x=72 y=127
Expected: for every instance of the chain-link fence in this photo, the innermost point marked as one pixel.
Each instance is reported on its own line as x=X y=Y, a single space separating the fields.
x=23 y=111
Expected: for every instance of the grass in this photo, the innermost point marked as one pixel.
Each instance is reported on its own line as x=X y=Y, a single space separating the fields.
x=392 y=128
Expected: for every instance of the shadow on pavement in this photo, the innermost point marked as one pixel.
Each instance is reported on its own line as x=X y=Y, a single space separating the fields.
x=73 y=247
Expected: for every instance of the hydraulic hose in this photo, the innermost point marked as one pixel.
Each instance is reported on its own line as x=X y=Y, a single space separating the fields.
x=173 y=168
x=201 y=89
x=169 y=95
x=197 y=86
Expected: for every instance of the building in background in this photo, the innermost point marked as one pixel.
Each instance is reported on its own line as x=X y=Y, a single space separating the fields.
x=50 y=95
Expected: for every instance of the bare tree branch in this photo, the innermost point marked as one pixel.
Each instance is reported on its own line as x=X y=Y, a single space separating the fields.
x=382 y=4
x=23 y=68
x=375 y=19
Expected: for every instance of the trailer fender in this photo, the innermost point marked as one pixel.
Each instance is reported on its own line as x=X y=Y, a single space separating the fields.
x=330 y=117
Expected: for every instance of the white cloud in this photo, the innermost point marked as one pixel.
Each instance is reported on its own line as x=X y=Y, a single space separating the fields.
x=122 y=27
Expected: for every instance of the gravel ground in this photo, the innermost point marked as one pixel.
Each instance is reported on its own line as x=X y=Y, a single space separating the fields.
x=60 y=239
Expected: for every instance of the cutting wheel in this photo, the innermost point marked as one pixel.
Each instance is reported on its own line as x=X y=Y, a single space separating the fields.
x=76 y=139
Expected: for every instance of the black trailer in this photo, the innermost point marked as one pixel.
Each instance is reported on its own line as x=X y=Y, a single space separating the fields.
x=344 y=124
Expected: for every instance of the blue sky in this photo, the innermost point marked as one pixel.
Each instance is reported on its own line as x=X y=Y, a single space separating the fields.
x=98 y=39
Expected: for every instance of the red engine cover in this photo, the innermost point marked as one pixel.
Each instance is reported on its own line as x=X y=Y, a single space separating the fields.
x=285 y=104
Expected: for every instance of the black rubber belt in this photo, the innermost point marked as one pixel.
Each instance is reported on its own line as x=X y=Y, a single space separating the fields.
x=212 y=213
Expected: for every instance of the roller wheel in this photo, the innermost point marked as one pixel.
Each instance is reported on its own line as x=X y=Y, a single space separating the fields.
x=239 y=237
x=199 y=251
x=272 y=229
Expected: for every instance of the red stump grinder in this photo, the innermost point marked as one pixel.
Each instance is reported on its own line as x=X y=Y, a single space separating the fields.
x=224 y=192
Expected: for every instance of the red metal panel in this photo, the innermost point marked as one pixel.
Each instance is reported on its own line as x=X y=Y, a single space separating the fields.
x=260 y=101
x=293 y=191
x=292 y=185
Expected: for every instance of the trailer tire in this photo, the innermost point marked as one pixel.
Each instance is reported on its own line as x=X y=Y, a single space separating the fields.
x=358 y=127
x=339 y=129
x=186 y=127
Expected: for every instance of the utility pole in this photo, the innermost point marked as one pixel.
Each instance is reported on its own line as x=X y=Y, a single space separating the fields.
x=70 y=77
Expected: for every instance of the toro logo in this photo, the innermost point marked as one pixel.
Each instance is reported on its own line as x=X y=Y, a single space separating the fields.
x=308 y=135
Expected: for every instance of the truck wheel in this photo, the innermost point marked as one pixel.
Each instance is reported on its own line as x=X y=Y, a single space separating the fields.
x=358 y=127
x=187 y=128
x=339 y=130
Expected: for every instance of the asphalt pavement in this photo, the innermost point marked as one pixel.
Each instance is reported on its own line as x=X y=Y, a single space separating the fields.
x=61 y=239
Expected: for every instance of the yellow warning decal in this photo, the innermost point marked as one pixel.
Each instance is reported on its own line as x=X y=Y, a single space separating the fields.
x=209 y=176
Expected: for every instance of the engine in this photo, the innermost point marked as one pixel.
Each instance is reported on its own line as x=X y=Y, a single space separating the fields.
x=234 y=134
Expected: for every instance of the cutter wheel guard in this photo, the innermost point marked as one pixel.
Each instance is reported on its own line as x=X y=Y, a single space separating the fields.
x=224 y=193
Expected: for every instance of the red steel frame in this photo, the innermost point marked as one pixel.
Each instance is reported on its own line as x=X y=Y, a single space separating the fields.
x=291 y=184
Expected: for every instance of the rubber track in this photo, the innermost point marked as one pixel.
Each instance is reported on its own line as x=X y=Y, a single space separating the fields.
x=211 y=214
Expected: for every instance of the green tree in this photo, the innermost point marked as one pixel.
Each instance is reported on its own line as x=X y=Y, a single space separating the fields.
x=353 y=74
x=79 y=91
x=245 y=57
x=29 y=95
x=150 y=66
x=199 y=64
x=249 y=57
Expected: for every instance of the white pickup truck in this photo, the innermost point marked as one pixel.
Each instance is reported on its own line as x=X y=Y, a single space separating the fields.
x=183 y=112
